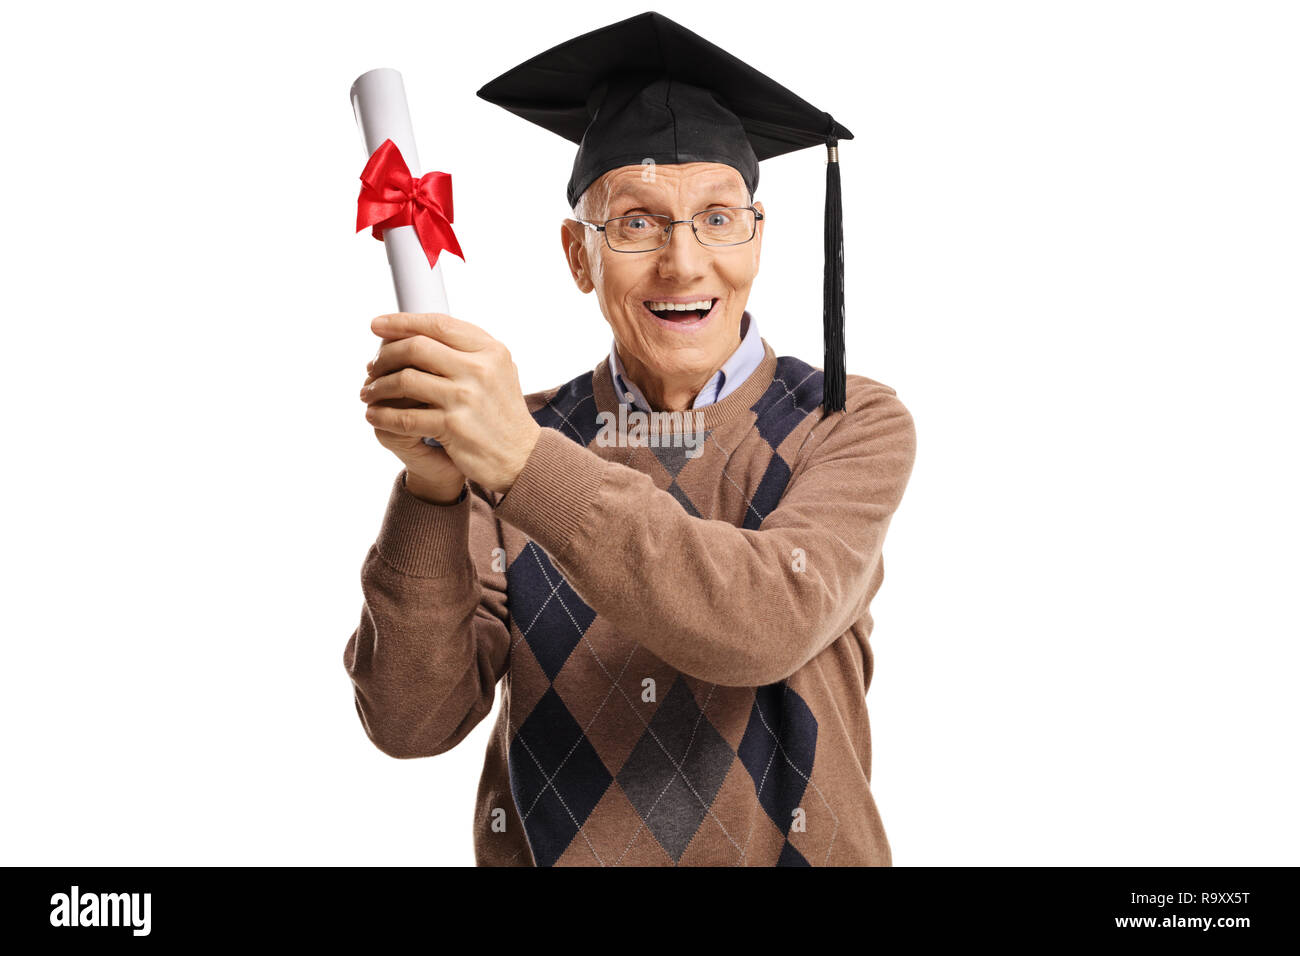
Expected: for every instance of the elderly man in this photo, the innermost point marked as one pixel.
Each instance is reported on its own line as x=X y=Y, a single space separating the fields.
x=681 y=626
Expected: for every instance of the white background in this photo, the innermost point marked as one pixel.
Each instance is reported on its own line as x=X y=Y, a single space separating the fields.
x=1071 y=237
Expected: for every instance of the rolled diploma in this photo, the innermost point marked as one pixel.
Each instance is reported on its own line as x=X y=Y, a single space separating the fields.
x=379 y=102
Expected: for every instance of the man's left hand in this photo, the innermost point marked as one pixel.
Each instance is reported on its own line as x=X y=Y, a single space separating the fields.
x=470 y=386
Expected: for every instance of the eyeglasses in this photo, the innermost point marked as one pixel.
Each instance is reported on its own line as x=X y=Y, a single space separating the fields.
x=730 y=226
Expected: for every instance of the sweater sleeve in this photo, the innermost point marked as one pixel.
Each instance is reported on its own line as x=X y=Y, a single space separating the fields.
x=730 y=605
x=433 y=639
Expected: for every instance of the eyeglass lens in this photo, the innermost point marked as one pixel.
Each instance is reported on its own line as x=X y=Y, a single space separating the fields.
x=713 y=227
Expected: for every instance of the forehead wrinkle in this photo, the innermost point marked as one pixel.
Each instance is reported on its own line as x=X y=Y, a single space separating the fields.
x=635 y=190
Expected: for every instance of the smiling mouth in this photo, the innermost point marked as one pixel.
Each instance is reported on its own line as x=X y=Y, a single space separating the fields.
x=681 y=315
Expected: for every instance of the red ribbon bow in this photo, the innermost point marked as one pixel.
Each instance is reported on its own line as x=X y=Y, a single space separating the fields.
x=391 y=196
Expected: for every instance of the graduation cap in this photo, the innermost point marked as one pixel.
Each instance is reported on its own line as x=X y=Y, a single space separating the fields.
x=648 y=89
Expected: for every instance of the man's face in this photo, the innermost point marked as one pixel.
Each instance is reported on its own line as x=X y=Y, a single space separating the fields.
x=672 y=353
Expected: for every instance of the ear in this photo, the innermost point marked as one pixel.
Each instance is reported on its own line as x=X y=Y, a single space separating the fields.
x=573 y=235
x=758 y=236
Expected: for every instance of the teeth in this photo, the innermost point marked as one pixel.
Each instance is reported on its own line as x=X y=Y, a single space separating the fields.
x=703 y=304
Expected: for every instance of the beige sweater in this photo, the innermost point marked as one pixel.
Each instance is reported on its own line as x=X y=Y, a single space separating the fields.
x=680 y=629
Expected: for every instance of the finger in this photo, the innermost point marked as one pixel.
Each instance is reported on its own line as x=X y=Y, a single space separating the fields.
x=407 y=421
x=420 y=352
x=409 y=383
x=446 y=329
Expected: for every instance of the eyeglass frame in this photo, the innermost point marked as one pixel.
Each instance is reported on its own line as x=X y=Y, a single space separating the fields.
x=758 y=217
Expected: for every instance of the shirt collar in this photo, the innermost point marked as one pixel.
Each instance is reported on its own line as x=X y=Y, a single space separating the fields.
x=738 y=367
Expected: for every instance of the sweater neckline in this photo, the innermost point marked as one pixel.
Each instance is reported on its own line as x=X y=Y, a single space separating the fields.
x=709 y=416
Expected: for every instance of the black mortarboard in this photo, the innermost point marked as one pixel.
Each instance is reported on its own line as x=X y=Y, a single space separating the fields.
x=648 y=89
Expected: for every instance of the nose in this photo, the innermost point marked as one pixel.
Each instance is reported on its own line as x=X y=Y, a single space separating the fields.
x=684 y=254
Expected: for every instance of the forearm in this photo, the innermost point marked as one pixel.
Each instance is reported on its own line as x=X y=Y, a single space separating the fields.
x=732 y=605
x=426 y=654
x=421 y=680
x=435 y=494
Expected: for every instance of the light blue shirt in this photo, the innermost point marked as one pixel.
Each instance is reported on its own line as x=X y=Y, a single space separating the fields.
x=747 y=357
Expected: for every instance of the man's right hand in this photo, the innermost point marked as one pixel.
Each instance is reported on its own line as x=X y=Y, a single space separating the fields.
x=430 y=474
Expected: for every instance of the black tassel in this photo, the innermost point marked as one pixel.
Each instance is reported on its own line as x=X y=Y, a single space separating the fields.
x=834 y=383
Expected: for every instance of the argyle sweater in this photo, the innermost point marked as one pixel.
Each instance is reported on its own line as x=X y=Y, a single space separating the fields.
x=680 y=630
